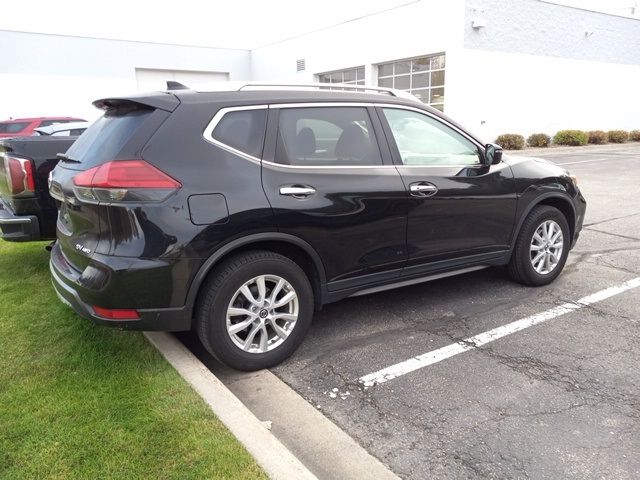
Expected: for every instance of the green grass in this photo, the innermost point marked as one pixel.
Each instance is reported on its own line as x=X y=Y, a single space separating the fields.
x=82 y=401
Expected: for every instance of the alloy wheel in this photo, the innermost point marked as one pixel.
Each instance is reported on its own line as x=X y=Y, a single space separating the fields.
x=262 y=314
x=546 y=247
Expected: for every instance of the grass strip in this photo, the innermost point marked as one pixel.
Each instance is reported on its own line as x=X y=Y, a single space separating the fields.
x=83 y=401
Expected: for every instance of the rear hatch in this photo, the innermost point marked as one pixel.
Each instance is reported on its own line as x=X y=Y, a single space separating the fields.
x=80 y=182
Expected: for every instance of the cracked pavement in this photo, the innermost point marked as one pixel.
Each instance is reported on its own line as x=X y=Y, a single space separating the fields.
x=558 y=400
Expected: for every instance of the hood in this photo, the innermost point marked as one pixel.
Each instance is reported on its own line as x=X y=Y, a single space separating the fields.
x=550 y=167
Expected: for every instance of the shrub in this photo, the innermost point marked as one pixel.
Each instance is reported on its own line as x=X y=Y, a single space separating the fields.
x=618 y=136
x=598 y=137
x=539 y=140
x=510 y=141
x=634 y=135
x=570 y=137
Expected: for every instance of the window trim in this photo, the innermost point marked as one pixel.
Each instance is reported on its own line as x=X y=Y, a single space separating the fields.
x=220 y=113
x=207 y=134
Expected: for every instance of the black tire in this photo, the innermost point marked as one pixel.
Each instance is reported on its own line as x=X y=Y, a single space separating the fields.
x=218 y=291
x=520 y=267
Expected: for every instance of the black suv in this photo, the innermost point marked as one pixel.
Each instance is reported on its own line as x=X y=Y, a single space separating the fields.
x=238 y=213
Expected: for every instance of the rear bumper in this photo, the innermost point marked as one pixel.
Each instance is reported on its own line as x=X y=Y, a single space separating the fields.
x=70 y=292
x=18 y=228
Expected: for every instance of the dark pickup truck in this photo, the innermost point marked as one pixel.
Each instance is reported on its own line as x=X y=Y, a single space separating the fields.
x=27 y=212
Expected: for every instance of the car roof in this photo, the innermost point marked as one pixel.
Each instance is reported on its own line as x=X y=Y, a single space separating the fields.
x=232 y=94
x=60 y=127
x=284 y=95
x=222 y=93
x=33 y=119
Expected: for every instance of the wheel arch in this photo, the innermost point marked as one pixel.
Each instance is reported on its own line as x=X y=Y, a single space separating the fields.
x=288 y=245
x=552 y=199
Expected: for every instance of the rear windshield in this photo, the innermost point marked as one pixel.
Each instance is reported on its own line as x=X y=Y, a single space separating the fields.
x=104 y=139
x=13 y=127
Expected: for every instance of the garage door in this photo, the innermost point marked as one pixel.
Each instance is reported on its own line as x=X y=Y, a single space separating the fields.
x=150 y=79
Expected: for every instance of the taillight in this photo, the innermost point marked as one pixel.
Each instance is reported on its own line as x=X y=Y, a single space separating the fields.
x=124 y=181
x=20 y=178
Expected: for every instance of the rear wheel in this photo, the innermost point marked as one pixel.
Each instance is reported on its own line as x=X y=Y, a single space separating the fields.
x=254 y=310
x=542 y=247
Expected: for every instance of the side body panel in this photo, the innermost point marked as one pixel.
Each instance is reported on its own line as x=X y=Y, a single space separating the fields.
x=355 y=220
x=472 y=212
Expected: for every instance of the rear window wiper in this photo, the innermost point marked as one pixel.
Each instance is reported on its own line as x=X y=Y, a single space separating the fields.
x=65 y=158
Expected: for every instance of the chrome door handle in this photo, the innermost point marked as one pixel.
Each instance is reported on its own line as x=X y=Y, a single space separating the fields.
x=297 y=191
x=423 y=189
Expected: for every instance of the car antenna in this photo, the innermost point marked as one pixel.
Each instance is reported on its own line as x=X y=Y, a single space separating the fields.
x=173 y=85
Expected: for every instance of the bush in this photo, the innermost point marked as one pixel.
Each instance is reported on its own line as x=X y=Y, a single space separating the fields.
x=539 y=140
x=597 y=137
x=634 y=135
x=618 y=136
x=570 y=137
x=510 y=141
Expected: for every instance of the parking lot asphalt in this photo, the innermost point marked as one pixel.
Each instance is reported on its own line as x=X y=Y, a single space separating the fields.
x=559 y=399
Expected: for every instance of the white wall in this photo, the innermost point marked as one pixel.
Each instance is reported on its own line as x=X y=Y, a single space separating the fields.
x=516 y=93
x=416 y=29
x=511 y=76
x=42 y=75
x=539 y=75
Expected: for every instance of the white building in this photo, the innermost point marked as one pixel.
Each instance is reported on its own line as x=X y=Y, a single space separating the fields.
x=50 y=75
x=497 y=66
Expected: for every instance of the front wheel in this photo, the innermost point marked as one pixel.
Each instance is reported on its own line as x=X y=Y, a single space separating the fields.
x=255 y=310
x=542 y=247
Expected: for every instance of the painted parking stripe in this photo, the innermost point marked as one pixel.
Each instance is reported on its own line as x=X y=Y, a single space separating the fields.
x=593 y=160
x=435 y=356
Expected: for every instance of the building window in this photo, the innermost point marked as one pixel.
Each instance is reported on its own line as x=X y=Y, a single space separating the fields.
x=422 y=76
x=350 y=76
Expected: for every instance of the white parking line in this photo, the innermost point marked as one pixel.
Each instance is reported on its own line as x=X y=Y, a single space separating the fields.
x=608 y=159
x=585 y=161
x=435 y=356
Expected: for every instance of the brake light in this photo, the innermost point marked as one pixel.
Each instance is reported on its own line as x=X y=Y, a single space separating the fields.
x=124 y=181
x=20 y=178
x=116 y=314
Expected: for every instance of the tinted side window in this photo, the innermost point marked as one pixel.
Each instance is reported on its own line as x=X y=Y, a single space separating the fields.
x=242 y=130
x=423 y=140
x=48 y=123
x=326 y=136
x=13 y=127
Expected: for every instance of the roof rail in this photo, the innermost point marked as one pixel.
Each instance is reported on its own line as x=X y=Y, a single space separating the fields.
x=329 y=86
x=239 y=86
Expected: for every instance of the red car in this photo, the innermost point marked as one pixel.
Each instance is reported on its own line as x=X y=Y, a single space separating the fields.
x=24 y=127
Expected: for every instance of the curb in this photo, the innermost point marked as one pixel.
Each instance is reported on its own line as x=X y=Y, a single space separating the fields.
x=328 y=451
x=276 y=460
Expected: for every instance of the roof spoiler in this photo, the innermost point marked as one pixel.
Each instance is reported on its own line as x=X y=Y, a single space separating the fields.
x=161 y=100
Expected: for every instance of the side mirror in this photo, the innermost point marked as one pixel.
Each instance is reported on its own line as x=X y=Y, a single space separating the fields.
x=492 y=154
